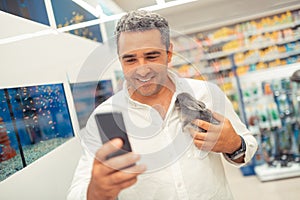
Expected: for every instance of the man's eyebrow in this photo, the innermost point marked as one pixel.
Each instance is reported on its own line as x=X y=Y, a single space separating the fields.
x=145 y=54
x=152 y=53
x=128 y=56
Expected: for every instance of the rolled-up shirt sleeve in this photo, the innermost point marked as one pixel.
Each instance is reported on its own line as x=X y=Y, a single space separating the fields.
x=251 y=147
x=242 y=130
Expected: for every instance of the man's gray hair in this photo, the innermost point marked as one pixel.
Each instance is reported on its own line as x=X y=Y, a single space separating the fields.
x=141 y=20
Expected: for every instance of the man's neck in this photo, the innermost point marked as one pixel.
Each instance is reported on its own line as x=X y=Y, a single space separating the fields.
x=160 y=101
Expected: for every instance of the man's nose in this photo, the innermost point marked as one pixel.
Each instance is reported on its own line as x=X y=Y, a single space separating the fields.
x=143 y=69
x=142 y=61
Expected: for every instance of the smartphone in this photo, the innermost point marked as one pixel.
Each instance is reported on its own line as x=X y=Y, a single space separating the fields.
x=111 y=125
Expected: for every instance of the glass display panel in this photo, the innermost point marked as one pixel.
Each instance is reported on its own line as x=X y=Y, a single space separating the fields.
x=88 y=95
x=34 y=120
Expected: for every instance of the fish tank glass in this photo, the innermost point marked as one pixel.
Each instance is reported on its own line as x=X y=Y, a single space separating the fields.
x=88 y=95
x=34 y=120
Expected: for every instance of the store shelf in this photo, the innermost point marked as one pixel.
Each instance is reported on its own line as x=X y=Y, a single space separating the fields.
x=279 y=27
x=211 y=69
x=267 y=173
x=281 y=48
x=215 y=55
x=219 y=41
x=270 y=58
x=240 y=58
x=269 y=73
x=271 y=29
x=250 y=33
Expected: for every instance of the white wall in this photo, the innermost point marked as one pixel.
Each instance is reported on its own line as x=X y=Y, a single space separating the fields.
x=39 y=60
x=48 y=178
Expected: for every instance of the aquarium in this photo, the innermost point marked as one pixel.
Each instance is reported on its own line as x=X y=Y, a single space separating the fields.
x=33 y=121
x=88 y=95
x=29 y=9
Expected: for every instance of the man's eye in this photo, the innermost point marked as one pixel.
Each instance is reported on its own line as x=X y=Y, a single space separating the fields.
x=130 y=61
x=152 y=57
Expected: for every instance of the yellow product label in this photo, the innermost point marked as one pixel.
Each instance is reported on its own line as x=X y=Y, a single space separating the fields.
x=261 y=65
x=283 y=62
x=269 y=21
x=254 y=24
x=275 y=35
x=273 y=64
x=281 y=49
x=276 y=20
x=289 y=17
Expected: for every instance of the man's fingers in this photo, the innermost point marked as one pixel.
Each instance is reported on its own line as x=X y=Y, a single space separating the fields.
x=201 y=123
x=199 y=144
x=198 y=135
x=204 y=146
x=108 y=148
x=206 y=125
x=122 y=176
x=118 y=162
x=218 y=116
x=135 y=169
x=128 y=183
x=200 y=139
x=122 y=161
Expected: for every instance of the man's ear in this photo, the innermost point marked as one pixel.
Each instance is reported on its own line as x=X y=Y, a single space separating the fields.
x=170 y=53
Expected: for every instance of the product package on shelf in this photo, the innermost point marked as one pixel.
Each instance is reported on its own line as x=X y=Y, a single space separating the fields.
x=255 y=44
x=225 y=55
x=261 y=43
x=271 y=115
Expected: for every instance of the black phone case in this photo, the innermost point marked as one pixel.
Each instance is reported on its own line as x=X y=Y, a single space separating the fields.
x=111 y=125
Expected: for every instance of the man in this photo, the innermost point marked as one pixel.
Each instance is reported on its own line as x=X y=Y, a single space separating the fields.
x=170 y=162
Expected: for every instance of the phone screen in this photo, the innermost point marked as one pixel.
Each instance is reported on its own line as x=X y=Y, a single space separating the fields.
x=111 y=125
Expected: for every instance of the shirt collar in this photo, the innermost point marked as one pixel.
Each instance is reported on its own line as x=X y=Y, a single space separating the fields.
x=172 y=75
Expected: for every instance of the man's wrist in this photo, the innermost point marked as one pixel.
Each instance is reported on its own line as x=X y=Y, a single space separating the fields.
x=238 y=153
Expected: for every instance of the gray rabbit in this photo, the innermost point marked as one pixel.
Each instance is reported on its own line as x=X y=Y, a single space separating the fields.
x=191 y=108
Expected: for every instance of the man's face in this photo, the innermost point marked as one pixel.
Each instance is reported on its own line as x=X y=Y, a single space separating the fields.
x=144 y=60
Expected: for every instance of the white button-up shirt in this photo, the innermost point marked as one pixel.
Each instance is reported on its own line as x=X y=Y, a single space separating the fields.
x=176 y=169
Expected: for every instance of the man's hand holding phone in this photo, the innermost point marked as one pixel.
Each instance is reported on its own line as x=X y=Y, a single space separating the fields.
x=107 y=178
x=114 y=166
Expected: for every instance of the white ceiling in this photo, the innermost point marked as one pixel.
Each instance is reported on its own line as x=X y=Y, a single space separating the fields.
x=204 y=14
x=187 y=18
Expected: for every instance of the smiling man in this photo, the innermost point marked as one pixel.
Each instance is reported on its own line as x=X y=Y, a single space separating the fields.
x=144 y=59
x=167 y=162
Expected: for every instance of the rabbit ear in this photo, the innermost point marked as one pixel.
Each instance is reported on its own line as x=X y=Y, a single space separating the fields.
x=193 y=106
x=201 y=104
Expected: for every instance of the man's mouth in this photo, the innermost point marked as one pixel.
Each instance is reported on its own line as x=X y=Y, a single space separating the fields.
x=144 y=80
